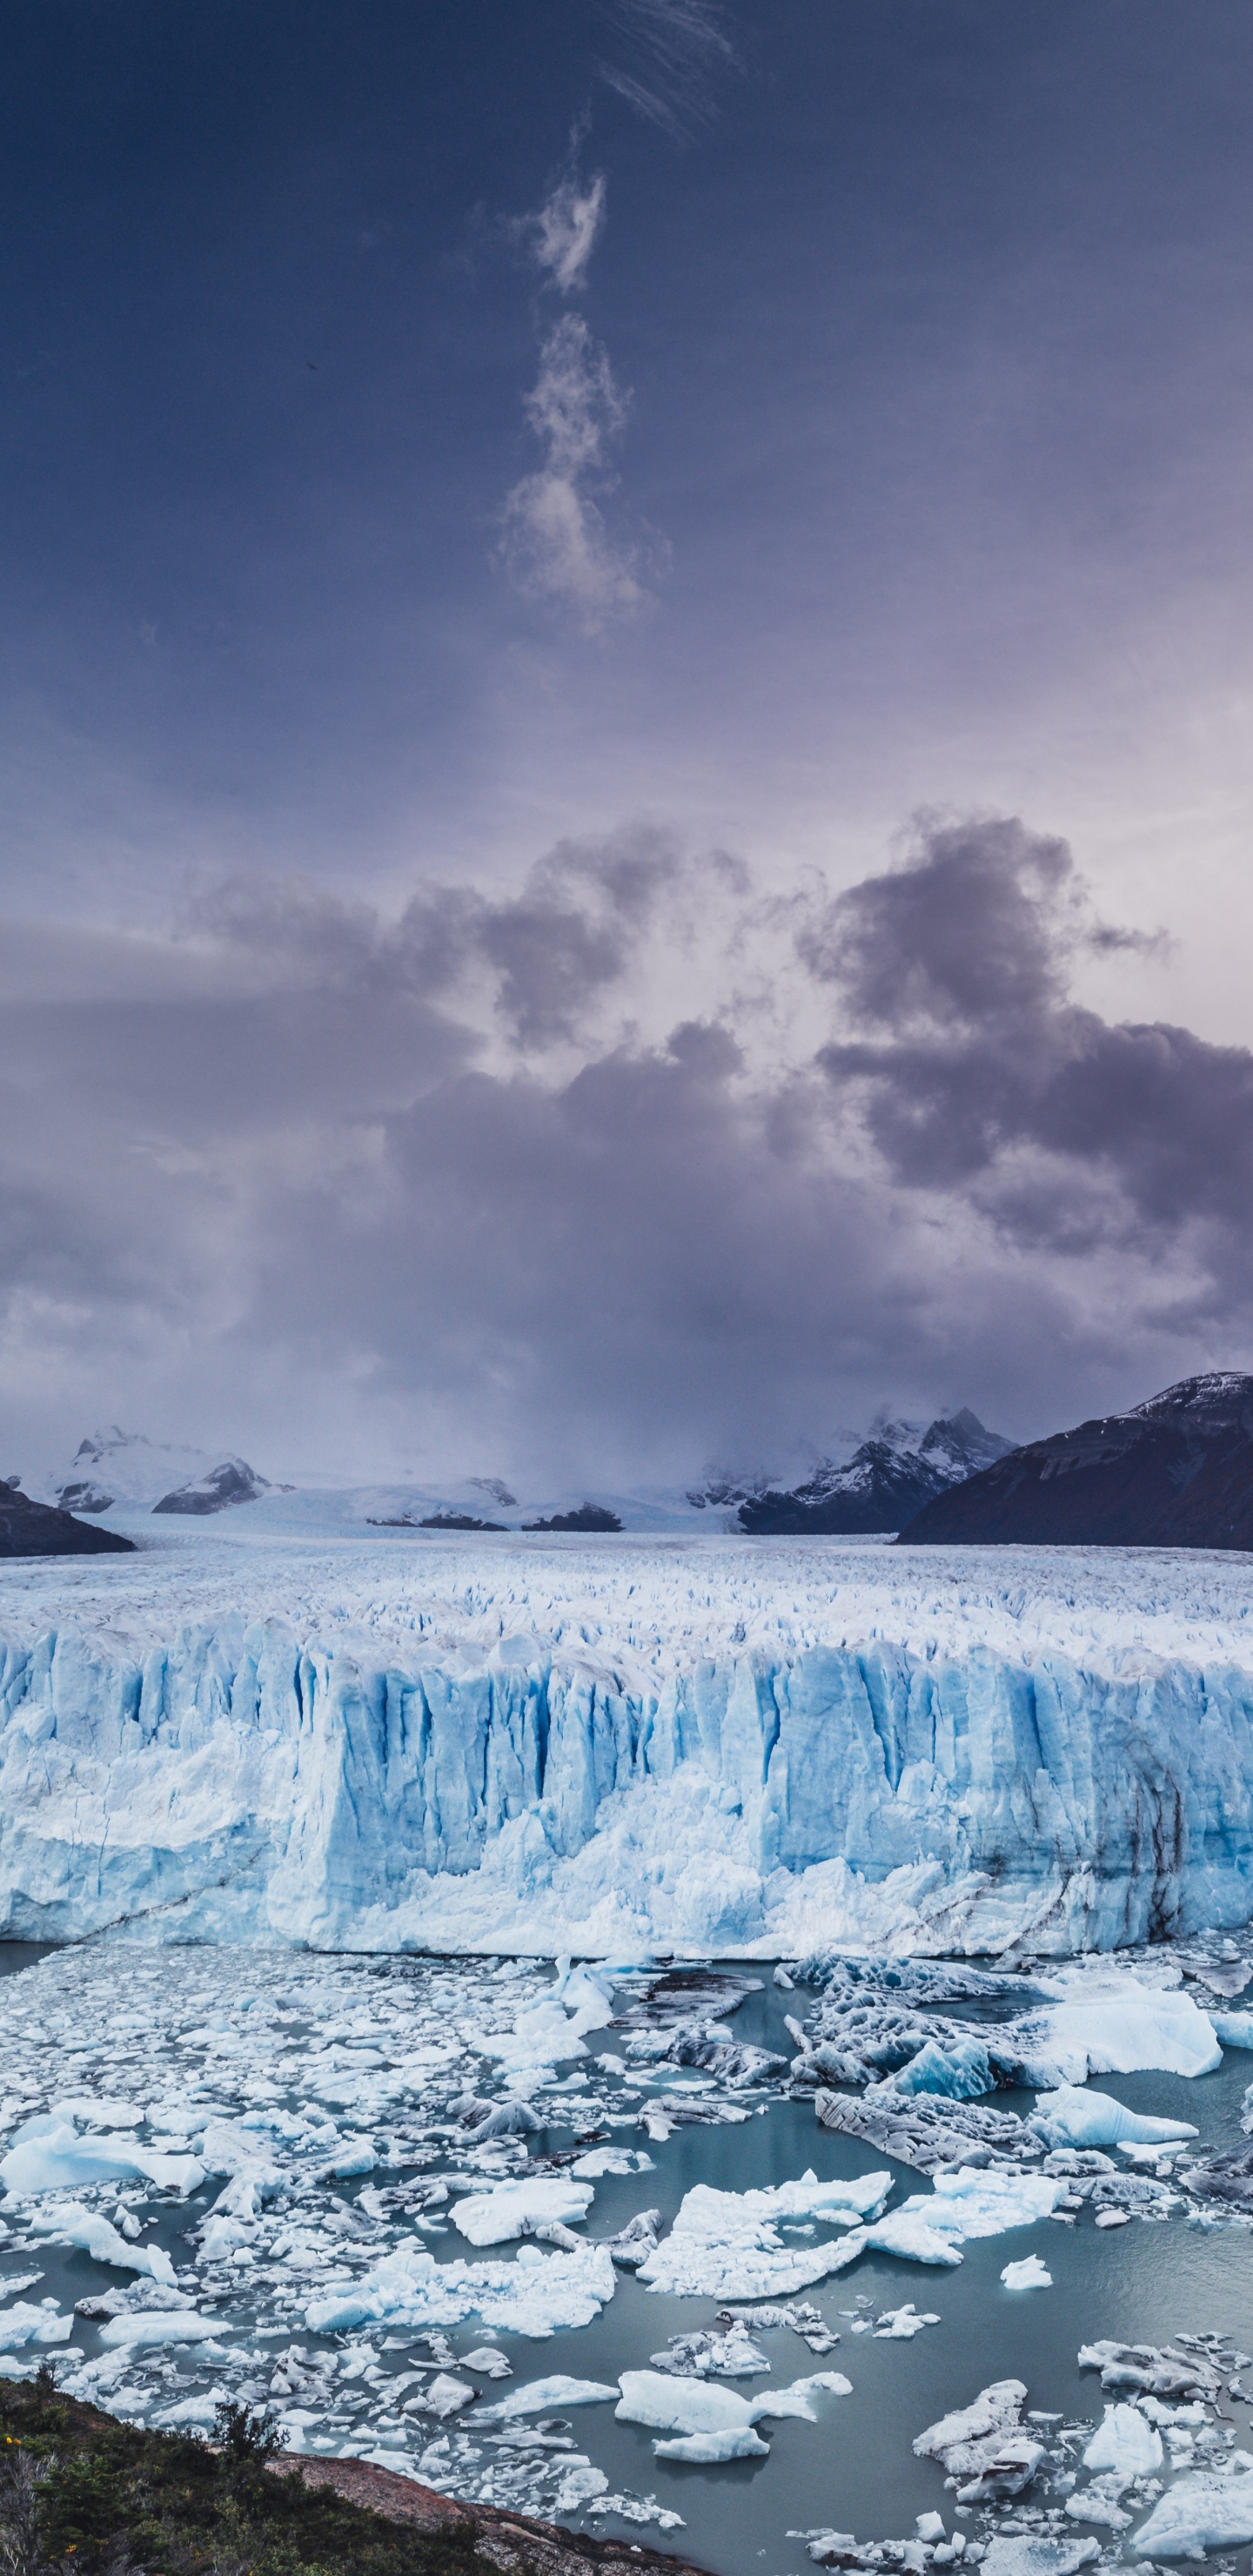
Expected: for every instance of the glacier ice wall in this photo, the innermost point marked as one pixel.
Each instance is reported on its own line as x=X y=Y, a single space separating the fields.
x=352 y=1785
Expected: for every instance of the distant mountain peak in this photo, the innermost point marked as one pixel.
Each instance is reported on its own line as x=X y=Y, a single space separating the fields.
x=1175 y=1471
x=232 y=1481
x=895 y=1471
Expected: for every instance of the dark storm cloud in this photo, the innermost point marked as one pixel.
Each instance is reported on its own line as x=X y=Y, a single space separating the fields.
x=471 y=1166
x=957 y=966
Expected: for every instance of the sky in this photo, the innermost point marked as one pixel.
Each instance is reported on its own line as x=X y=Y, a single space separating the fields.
x=626 y=652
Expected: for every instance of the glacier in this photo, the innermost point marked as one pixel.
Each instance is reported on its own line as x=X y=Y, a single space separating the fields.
x=624 y=1747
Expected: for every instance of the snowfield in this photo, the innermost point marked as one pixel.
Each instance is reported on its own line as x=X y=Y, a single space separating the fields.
x=618 y=1747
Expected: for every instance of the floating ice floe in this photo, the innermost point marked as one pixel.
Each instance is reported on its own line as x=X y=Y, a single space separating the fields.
x=1030 y=2274
x=1124 y=2445
x=985 y=2444
x=1210 y=2510
x=1075 y=2116
x=48 y=2154
x=1235 y=2030
x=1023 y=2556
x=931 y=2228
x=70 y=2224
x=1133 y=2029
x=634 y=2243
x=409 y=2288
x=163 y=2325
x=512 y=2209
x=541 y=2396
x=1151 y=2369
x=715 y=2353
x=22 y=2324
x=726 y=2245
x=926 y=2131
x=597 y=2162
x=715 y=2419
x=709 y=2450
x=1223 y=2178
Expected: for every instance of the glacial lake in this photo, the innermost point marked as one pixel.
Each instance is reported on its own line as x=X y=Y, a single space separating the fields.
x=127 y=2018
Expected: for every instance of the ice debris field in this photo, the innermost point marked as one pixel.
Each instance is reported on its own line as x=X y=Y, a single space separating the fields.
x=688 y=1745
x=381 y=2197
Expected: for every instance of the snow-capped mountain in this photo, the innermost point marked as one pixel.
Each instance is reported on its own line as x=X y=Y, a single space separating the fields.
x=888 y=1478
x=121 y=1470
x=1174 y=1472
x=233 y=1481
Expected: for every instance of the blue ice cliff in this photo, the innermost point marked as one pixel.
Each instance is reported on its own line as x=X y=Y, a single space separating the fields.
x=622 y=1749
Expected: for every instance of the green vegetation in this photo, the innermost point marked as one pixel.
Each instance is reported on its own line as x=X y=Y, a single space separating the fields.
x=79 y=2491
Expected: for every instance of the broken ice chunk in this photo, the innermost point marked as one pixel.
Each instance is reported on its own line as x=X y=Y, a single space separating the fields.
x=541 y=2395
x=164 y=2325
x=1076 y=2116
x=734 y=2442
x=1209 y=2511
x=512 y=2209
x=1125 y=2445
x=1028 y=2557
x=22 y=2324
x=445 y=2396
x=1030 y=2274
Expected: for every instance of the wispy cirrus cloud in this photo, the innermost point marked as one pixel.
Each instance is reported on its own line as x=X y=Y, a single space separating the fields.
x=557 y=544
x=671 y=56
x=563 y=235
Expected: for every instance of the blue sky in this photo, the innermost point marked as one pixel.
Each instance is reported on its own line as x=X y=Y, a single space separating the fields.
x=695 y=442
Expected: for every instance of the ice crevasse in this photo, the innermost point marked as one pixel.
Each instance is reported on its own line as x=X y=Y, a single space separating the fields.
x=247 y=1779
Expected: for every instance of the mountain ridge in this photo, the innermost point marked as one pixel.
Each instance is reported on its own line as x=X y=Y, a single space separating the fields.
x=1175 y=1471
x=888 y=1479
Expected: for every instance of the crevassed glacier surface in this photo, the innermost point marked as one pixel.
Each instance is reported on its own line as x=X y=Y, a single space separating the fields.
x=689 y=1745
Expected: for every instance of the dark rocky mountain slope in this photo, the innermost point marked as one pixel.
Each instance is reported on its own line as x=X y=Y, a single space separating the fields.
x=1175 y=1472
x=885 y=1482
x=36 y=1529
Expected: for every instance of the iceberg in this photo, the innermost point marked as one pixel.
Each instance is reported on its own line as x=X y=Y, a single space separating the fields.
x=409 y=2288
x=1073 y=2116
x=649 y=1746
x=712 y=2422
x=48 y=2153
x=1125 y=2445
x=1201 y=2512
x=668 y=2404
x=986 y=2445
x=1135 y=2029
x=71 y=2224
x=513 y=2209
x=1233 y=2030
x=726 y=2245
x=707 y=2450
x=540 y=2396
x=1007 y=2556
x=1030 y=2274
x=163 y=2325
x=22 y=2324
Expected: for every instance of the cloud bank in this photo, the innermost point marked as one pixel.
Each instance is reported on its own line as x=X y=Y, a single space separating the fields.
x=627 y=1168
